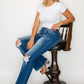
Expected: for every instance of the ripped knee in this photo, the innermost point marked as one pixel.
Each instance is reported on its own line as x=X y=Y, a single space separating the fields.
x=27 y=55
x=26 y=58
x=18 y=42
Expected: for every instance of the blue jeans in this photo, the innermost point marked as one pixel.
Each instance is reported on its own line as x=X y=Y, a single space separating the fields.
x=44 y=40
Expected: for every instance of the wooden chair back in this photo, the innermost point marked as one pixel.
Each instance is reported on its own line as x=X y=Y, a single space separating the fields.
x=66 y=35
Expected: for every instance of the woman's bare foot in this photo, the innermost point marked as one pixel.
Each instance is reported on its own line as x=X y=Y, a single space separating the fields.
x=43 y=69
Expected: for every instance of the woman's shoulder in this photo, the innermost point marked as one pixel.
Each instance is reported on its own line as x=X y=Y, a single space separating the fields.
x=62 y=7
x=59 y=3
x=40 y=6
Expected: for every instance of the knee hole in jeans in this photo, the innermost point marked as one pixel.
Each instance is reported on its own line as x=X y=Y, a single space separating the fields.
x=26 y=58
x=18 y=42
x=27 y=55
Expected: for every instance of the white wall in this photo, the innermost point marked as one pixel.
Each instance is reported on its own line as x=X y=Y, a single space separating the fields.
x=16 y=19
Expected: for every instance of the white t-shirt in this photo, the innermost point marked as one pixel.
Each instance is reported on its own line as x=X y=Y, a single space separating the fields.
x=50 y=15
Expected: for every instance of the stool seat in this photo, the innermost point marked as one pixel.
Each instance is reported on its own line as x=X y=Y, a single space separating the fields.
x=59 y=46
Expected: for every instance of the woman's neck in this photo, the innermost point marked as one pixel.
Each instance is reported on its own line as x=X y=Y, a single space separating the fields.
x=49 y=2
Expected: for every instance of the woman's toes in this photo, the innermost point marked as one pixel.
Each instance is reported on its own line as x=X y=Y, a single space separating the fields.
x=43 y=69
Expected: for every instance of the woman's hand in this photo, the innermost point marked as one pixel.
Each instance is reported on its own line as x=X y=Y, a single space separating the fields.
x=55 y=26
x=30 y=44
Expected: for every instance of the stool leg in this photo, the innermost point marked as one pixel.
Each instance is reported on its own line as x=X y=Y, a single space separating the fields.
x=53 y=71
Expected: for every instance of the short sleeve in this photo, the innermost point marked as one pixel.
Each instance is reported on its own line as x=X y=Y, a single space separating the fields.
x=39 y=8
x=62 y=8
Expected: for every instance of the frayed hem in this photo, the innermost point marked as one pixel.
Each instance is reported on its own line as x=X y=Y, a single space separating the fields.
x=41 y=66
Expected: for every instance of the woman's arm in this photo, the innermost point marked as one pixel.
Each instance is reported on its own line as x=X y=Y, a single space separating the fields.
x=68 y=15
x=35 y=26
x=34 y=31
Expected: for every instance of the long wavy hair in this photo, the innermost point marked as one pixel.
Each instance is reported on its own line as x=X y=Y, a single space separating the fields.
x=45 y=2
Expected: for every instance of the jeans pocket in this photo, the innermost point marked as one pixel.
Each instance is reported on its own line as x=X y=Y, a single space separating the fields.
x=52 y=32
x=48 y=31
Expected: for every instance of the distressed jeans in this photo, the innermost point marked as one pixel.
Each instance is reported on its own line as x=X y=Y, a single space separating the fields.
x=44 y=40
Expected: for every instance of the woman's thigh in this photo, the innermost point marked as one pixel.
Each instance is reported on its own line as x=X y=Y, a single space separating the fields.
x=42 y=45
x=25 y=39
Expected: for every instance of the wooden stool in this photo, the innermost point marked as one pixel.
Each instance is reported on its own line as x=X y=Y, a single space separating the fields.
x=53 y=71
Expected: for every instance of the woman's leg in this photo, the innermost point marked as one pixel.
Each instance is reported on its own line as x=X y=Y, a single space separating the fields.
x=23 y=48
x=39 y=63
x=41 y=46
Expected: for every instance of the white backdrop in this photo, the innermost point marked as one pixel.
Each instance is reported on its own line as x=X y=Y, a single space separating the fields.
x=17 y=19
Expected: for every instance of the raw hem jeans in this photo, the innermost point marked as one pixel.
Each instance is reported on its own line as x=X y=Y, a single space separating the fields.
x=44 y=40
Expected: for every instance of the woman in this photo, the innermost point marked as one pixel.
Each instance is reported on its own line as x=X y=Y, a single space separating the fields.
x=33 y=46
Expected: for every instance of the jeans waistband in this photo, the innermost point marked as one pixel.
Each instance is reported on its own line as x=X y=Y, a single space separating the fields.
x=48 y=31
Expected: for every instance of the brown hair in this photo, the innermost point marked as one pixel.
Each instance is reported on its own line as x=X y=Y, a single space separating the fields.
x=45 y=2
